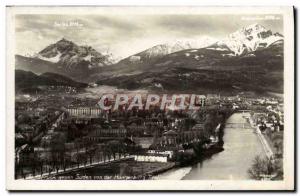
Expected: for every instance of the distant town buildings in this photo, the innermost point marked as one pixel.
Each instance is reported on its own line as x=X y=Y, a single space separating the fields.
x=84 y=111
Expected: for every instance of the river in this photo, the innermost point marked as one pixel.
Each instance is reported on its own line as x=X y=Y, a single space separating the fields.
x=241 y=145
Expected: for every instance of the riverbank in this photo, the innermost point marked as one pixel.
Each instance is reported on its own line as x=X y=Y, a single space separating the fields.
x=198 y=152
x=119 y=170
x=75 y=169
x=265 y=144
x=241 y=145
x=173 y=174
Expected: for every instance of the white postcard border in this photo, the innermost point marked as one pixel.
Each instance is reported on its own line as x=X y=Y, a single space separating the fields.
x=286 y=184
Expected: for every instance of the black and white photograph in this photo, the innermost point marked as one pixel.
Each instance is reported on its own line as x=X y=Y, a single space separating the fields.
x=163 y=98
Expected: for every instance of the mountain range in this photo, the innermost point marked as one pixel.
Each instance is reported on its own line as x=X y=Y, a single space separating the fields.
x=250 y=59
x=69 y=55
x=67 y=58
x=27 y=81
x=248 y=39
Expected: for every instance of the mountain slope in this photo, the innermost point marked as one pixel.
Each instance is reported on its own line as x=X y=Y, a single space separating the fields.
x=145 y=58
x=69 y=55
x=206 y=70
x=248 y=39
x=36 y=65
x=242 y=42
x=66 y=58
x=250 y=59
x=30 y=80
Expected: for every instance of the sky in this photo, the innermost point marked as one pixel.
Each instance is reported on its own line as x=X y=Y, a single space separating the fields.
x=125 y=35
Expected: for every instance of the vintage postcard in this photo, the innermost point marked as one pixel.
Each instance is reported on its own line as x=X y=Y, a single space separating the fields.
x=150 y=98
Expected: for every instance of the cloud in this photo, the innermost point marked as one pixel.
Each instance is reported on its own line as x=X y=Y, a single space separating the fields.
x=124 y=35
x=215 y=25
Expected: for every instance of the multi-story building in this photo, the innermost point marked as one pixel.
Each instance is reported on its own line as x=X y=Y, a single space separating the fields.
x=98 y=133
x=84 y=111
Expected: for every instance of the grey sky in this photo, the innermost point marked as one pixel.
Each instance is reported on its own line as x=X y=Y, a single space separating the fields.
x=125 y=35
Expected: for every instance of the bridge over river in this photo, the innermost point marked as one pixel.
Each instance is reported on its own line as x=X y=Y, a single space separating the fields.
x=241 y=145
x=243 y=126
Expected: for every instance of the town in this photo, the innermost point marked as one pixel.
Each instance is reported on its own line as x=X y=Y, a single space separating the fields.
x=67 y=137
x=174 y=102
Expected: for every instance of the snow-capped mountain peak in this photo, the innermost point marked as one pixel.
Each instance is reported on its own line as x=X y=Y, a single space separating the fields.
x=175 y=46
x=242 y=41
x=70 y=54
x=248 y=39
x=196 y=43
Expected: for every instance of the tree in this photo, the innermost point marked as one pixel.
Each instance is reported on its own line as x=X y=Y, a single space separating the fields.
x=262 y=167
x=81 y=158
x=278 y=146
x=91 y=151
x=77 y=143
x=113 y=146
x=257 y=168
x=57 y=149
